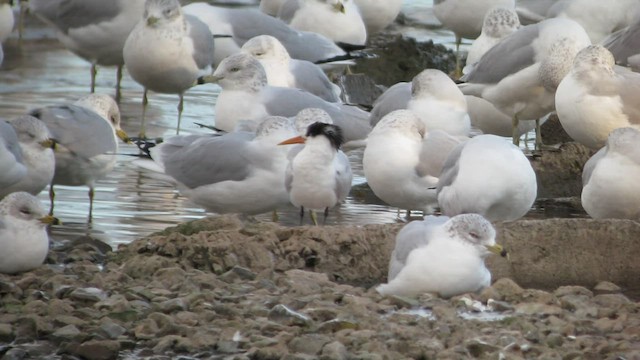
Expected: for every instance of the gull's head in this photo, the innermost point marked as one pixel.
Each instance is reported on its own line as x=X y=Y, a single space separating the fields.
x=31 y=130
x=336 y=5
x=475 y=231
x=436 y=84
x=308 y=116
x=275 y=128
x=625 y=141
x=594 y=57
x=105 y=106
x=239 y=71
x=265 y=47
x=25 y=207
x=159 y=12
x=500 y=22
x=405 y=121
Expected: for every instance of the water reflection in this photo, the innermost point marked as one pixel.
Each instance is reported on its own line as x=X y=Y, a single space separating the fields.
x=131 y=202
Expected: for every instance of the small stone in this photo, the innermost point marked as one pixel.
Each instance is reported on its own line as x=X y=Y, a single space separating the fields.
x=537 y=309
x=606 y=287
x=334 y=351
x=6 y=333
x=282 y=314
x=507 y=289
x=15 y=354
x=403 y=302
x=554 y=340
x=611 y=300
x=66 y=333
x=227 y=346
x=237 y=273
x=98 y=350
x=336 y=325
x=572 y=290
x=310 y=344
x=499 y=305
x=172 y=305
x=111 y=330
x=88 y=294
x=478 y=348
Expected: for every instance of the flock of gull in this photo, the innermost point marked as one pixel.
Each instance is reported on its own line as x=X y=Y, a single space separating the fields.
x=430 y=145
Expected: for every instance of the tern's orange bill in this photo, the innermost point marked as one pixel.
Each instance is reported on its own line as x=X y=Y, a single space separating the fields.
x=293 y=140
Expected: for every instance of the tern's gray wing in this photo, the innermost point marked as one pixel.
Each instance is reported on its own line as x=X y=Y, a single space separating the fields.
x=80 y=130
x=207 y=159
x=412 y=236
x=590 y=165
x=71 y=14
x=202 y=42
x=248 y=23
x=310 y=77
x=450 y=168
x=514 y=53
x=394 y=98
x=624 y=43
x=288 y=10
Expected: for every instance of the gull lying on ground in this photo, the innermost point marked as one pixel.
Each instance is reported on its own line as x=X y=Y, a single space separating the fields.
x=167 y=51
x=36 y=148
x=247 y=96
x=610 y=178
x=284 y=71
x=314 y=179
x=488 y=176
x=86 y=135
x=95 y=30
x=441 y=255
x=403 y=159
x=23 y=237
x=597 y=97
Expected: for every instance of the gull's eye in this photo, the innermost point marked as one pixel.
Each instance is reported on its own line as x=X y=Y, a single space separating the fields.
x=25 y=211
x=235 y=69
x=167 y=12
x=474 y=235
x=113 y=120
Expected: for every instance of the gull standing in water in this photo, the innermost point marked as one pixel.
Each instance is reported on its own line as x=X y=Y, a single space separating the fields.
x=23 y=237
x=441 y=255
x=86 y=135
x=403 y=159
x=597 y=97
x=36 y=147
x=488 y=176
x=167 y=51
x=313 y=180
x=95 y=30
x=610 y=178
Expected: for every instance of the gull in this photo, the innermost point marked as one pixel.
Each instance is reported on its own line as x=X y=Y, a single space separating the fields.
x=441 y=255
x=624 y=44
x=234 y=27
x=86 y=135
x=465 y=18
x=339 y=20
x=23 y=237
x=378 y=14
x=95 y=30
x=488 y=176
x=167 y=51
x=246 y=95
x=403 y=159
x=610 y=186
x=498 y=23
x=237 y=172
x=519 y=75
x=6 y=19
x=36 y=147
x=431 y=95
x=597 y=97
x=314 y=180
x=12 y=167
x=284 y=71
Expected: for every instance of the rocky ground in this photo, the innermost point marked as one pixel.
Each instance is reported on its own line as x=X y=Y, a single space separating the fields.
x=228 y=288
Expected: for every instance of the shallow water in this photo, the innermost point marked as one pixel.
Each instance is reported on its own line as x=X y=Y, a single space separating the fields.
x=132 y=202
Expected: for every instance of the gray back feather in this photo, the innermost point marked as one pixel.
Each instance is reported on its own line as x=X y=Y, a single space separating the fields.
x=202 y=41
x=450 y=168
x=71 y=14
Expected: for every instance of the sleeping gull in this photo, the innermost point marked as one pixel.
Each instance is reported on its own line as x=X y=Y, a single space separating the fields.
x=465 y=18
x=488 y=176
x=624 y=44
x=610 y=178
x=284 y=71
x=95 y=30
x=498 y=23
x=431 y=95
x=314 y=179
x=378 y=14
x=37 y=155
x=86 y=135
x=596 y=97
x=244 y=24
x=339 y=20
x=441 y=255
x=247 y=96
x=519 y=75
x=23 y=235
x=237 y=172
x=403 y=159
x=167 y=51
